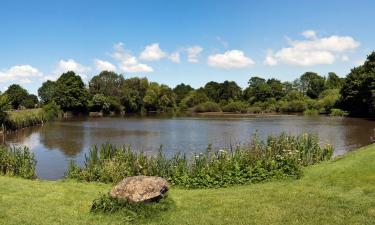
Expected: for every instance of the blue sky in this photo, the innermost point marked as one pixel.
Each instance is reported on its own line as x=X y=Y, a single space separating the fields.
x=182 y=41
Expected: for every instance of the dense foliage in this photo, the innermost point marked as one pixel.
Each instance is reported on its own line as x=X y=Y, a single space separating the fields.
x=358 y=91
x=16 y=161
x=277 y=157
x=109 y=92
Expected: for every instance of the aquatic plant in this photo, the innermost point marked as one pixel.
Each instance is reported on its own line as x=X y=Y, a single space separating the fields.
x=277 y=157
x=17 y=161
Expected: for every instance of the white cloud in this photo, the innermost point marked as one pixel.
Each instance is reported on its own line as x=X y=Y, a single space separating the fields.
x=345 y=58
x=71 y=65
x=152 y=52
x=20 y=74
x=233 y=59
x=309 y=34
x=193 y=53
x=127 y=62
x=313 y=50
x=175 y=57
x=104 y=65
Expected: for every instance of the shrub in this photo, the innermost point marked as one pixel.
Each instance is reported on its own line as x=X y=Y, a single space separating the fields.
x=130 y=211
x=276 y=157
x=207 y=107
x=254 y=109
x=328 y=100
x=16 y=161
x=294 y=106
x=237 y=106
x=51 y=110
x=311 y=112
x=338 y=112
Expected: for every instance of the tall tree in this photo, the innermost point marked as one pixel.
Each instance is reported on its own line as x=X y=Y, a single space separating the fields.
x=107 y=83
x=181 y=91
x=31 y=101
x=16 y=94
x=312 y=84
x=258 y=90
x=276 y=88
x=47 y=91
x=358 y=90
x=71 y=94
x=333 y=81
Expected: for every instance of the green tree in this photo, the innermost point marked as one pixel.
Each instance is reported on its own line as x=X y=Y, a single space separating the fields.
x=133 y=93
x=358 y=90
x=258 y=90
x=47 y=91
x=107 y=83
x=194 y=98
x=212 y=91
x=277 y=90
x=333 y=81
x=312 y=84
x=181 y=91
x=230 y=91
x=16 y=94
x=100 y=103
x=3 y=106
x=31 y=101
x=71 y=94
x=151 y=98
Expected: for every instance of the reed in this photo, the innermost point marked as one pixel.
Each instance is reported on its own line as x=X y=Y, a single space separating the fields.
x=276 y=157
x=24 y=118
x=17 y=161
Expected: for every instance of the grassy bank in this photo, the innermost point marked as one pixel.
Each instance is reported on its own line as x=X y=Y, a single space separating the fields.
x=341 y=191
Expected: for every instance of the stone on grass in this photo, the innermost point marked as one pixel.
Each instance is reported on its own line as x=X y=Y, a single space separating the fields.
x=140 y=189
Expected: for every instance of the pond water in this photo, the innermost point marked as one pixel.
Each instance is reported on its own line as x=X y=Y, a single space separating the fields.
x=56 y=143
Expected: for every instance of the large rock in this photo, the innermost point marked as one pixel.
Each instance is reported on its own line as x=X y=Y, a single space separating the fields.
x=140 y=189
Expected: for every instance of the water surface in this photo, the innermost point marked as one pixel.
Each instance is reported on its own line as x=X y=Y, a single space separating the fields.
x=56 y=143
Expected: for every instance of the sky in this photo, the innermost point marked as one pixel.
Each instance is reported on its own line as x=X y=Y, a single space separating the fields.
x=173 y=41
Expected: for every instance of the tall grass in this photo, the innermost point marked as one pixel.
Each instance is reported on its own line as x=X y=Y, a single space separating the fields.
x=19 y=119
x=276 y=157
x=24 y=118
x=17 y=161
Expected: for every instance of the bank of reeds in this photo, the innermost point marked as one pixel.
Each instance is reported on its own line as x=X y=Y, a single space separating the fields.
x=277 y=157
x=18 y=119
x=17 y=161
x=24 y=118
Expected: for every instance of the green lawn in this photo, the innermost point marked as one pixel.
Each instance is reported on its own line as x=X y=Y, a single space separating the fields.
x=341 y=191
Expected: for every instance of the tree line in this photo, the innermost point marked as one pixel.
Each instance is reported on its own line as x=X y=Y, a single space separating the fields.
x=110 y=92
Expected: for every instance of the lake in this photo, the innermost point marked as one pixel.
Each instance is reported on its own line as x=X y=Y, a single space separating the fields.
x=56 y=143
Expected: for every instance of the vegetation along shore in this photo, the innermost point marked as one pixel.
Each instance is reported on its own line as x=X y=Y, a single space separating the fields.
x=110 y=93
x=344 y=186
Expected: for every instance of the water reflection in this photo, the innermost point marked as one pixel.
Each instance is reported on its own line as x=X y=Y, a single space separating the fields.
x=56 y=143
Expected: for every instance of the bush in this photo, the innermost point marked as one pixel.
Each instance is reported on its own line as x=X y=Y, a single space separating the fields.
x=207 y=107
x=130 y=211
x=277 y=157
x=51 y=110
x=294 y=106
x=254 y=109
x=311 y=112
x=17 y=161
x=338 y=112
x=236 y=107
x=328 y=100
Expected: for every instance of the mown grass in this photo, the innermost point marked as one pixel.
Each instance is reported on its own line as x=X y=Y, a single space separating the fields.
x=341 y=191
